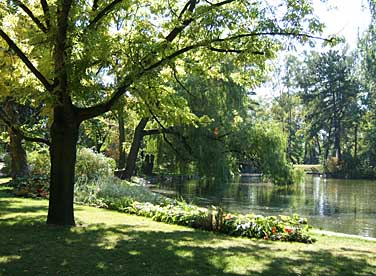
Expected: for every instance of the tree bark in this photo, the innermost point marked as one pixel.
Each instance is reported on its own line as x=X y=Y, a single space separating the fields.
x=356 y=142
x=121 y=160
x=19 y=166
x=64 y=135
x=135 y=147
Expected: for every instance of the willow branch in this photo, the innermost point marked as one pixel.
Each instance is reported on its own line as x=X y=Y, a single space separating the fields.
x=26 y=61
x=31 y=15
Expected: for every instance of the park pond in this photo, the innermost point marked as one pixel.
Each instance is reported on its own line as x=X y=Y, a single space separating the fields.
x=338 y=205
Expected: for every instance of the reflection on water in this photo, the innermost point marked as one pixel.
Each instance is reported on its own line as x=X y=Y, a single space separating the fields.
x=347 y=206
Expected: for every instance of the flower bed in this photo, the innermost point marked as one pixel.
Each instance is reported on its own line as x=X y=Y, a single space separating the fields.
x=284 y=228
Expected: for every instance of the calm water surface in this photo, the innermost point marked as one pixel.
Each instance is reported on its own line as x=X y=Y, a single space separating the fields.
x=346 y=206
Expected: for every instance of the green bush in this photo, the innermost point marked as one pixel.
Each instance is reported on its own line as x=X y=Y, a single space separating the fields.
x=31 y=186
x=93 y=165
x=39 y=162
x=91 y=168
x=298 y=175
x=109 y=188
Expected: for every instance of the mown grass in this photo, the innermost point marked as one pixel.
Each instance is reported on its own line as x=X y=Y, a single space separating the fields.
x=111 y=243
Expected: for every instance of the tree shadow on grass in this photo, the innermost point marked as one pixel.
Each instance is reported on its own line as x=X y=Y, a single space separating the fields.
x=131 y=250
x=13 y=205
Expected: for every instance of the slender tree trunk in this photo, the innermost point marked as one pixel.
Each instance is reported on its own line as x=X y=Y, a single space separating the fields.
x=356 y=142
x=64 y=135
x=337 y=140
x=318 y=144
x=135 y=147
x=121 y=161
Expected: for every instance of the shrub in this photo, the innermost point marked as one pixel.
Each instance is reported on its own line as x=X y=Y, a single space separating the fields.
x=91 y=168
x=39 y=162
x=110 y=188
x=31 y=186
x=298 y=175
x=93 y=165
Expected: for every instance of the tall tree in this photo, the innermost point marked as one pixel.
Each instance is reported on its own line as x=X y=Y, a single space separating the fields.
x=70 y=45
x=330 y=94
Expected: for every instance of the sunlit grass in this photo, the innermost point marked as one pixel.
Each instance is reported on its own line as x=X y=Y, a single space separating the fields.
x=4 y=180
x=310 y=167
x=109 y=243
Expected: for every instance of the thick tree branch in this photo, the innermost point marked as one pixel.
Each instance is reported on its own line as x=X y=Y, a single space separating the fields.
x=157 y=131
x=190 y=7
x=90 y=112
x=93 y=111
x=103 y=12
x=287 y=34
x=95 y=5
x=47 y=15
x=31 y=15
x=235 y=51
x=19 y=132
x=26 y=61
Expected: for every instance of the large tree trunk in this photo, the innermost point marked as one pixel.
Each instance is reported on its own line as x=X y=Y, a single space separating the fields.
x=64 y=135
x=19 y=166
x=135 y=147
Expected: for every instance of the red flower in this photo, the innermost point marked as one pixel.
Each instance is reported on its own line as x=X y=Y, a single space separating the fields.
x=228 y=217
x=289 y=229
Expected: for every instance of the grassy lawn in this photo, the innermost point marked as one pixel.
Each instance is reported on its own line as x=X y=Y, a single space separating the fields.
x=313 y=168
x=112 y=243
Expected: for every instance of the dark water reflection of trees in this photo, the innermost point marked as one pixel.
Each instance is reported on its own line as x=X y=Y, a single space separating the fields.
x=347 y=206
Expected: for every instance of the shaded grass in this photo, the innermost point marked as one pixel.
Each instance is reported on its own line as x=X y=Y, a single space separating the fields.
x=110 y=243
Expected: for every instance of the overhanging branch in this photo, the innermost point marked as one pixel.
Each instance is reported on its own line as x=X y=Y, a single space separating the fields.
x=46 y=11
x=27 y=62
x=190 y=7
x=19 y=132
x=31 y=15
x=90 y=112
x=103 y=12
